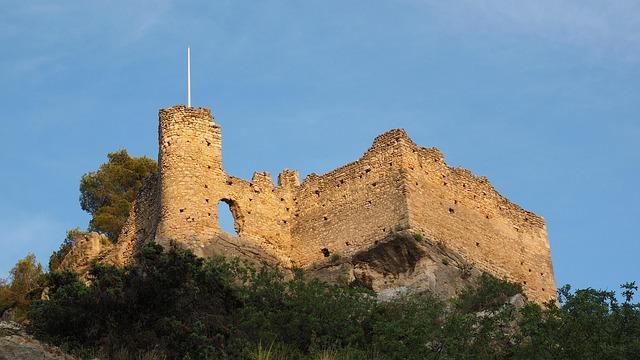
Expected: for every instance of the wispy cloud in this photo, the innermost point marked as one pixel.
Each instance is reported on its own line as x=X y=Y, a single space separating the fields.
x=611 y=27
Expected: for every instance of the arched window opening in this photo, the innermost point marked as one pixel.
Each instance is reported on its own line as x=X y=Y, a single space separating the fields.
x=228 y=217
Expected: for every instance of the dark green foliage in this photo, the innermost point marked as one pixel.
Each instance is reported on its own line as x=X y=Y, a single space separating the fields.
x=490 y=294
x=303 y=314
x=172 y=300
x=185 y=307
x=589 y=324
x=108 y=193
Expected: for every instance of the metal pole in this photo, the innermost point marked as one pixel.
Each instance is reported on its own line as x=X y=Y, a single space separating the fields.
x=188 y=76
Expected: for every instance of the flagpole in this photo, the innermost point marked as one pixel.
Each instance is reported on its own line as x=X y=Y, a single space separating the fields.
x=188 y=76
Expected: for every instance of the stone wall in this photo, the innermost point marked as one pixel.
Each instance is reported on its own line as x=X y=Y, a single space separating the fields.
x=395 y=186
x=467 y=214
x=352 y=207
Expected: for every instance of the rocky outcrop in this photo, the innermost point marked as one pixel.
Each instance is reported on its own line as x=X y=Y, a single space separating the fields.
x=402 y=263
x=16 y=344
x=86 y=248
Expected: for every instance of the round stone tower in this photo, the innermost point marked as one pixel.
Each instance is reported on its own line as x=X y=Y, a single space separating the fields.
x=190 y=165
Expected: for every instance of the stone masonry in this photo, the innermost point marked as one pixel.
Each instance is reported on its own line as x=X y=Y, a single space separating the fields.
x=396 y=186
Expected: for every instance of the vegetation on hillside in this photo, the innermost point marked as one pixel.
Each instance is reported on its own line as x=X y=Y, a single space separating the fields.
x=176 y=305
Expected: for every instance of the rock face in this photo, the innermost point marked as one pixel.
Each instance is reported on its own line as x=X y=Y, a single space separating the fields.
x=354 y=212
x=87 y=247
x=16 y=344
x=402 y=263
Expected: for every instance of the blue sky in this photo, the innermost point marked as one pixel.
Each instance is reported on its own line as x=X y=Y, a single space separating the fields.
x=542 y=97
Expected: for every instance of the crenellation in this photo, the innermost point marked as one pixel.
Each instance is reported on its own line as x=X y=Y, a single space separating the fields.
x=395 y=186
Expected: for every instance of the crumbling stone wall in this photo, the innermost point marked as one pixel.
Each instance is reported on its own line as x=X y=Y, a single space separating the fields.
x=395 y=186
x=353 y=206
x=465 y=213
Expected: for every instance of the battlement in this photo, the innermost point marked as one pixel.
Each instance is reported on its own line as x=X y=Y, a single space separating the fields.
x=395 y=186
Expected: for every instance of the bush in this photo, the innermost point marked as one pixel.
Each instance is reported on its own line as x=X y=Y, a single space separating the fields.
x=171 y=300
x=489 y=294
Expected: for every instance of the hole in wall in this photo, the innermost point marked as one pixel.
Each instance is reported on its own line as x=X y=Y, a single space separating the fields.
x=206 y=186
x=347 y=243
x=325 y=252
x=229 y=218
x=325 y=218
x=374 y=184
x=369 y=202
x=444 y=183
x=181 y=210
x=367 y=171
x=451 y=211
x=477 y=244
x=317 y=192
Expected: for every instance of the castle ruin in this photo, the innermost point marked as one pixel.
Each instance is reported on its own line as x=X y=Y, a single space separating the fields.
x=395 y=186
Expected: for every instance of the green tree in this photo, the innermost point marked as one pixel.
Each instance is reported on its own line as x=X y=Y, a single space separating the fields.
x=25 y=277
x=6 y=297
x=108 y=193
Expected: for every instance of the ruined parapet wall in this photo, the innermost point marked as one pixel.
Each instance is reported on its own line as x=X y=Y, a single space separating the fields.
x=467 y=214
x=354 y=206
x=189 y=161
x=193 y=182
x=261 y=210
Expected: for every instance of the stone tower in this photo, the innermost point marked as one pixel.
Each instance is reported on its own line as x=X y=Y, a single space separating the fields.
x=189 y=161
